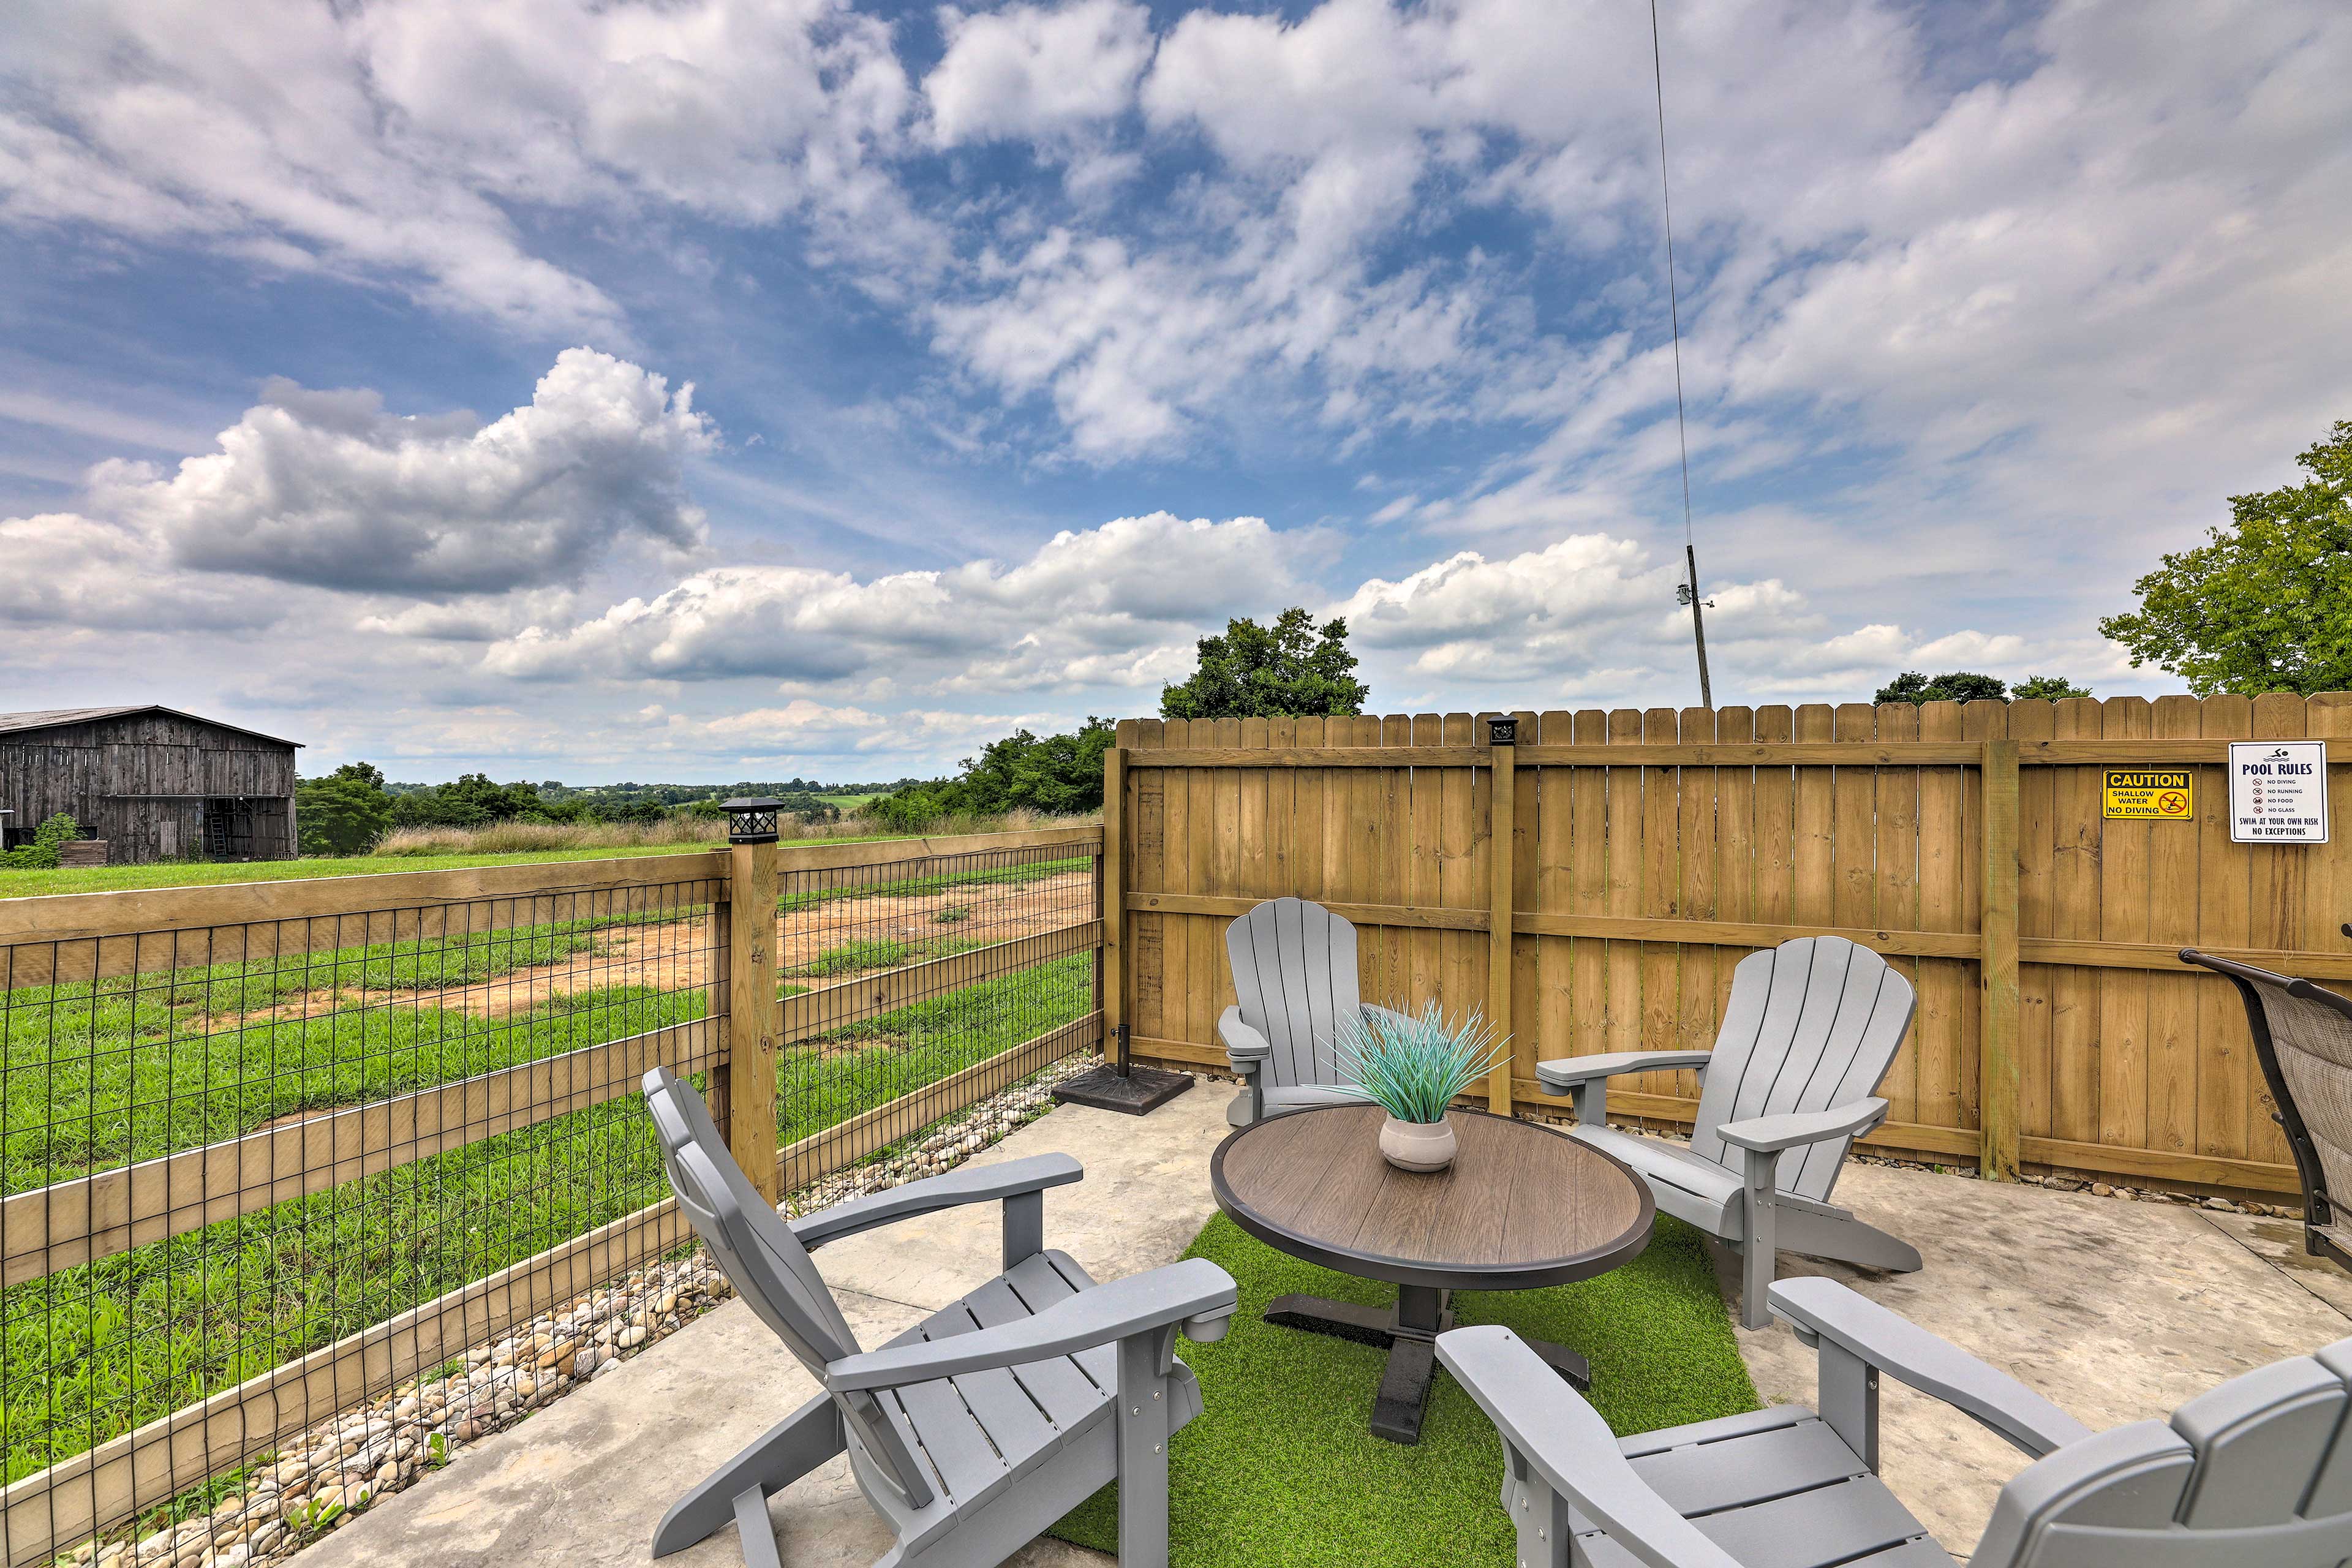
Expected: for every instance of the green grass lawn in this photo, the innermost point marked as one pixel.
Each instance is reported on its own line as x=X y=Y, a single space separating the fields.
x=94 y=1076
x=203 y=873
x=1281 y=1470
x=936 y=882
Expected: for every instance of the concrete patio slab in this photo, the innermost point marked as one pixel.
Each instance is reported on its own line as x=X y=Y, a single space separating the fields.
x=2116 y=1311
x=584 y=1483
x=2280 y=1242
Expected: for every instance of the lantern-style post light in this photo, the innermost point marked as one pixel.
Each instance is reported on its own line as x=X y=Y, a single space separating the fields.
x=755 y=1012
x=751 y=820
x=1502 y=730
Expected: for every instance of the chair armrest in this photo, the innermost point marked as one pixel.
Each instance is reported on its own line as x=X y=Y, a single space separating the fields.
x=1822 y=1310
x=971 y=1185
x=1195 y=1291
x=1242 y=1043
x=1558 y=1077
x=1548 y=1423
x=1771 y=1134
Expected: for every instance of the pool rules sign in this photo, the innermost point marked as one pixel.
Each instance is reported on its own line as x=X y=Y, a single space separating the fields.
x=2278 y=792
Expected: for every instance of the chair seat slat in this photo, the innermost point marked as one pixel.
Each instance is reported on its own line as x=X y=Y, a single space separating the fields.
x=1827 y=1525
x=1019 y=1431
x=1067 y=1394
x=1741 y=1472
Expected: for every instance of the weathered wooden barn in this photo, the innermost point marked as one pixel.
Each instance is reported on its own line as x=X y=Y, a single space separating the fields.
x=154 y=782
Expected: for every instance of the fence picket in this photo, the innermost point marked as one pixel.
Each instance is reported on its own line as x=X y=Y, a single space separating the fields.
x=2225 y=917
x=2075 y=916
x=2123 y=872
x=2030 y=723
x=1920 y=1076
x=2172 y=898
x=1735 y=828
x=1698 y=800
x=1661 y=891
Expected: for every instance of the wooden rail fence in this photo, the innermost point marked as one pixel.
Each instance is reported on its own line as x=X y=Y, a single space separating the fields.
x=1592 y=885
x=82 y=938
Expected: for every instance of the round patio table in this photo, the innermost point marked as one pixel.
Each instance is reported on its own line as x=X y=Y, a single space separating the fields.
x=1521 y=1207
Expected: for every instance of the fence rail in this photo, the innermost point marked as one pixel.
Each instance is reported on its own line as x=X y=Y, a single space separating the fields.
x=1591 y=888
x=270 y=1150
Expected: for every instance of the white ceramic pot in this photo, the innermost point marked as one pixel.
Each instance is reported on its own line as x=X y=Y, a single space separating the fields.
x=1417 y=1145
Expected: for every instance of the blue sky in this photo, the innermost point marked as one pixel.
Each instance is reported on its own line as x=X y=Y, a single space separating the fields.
x=343 y=384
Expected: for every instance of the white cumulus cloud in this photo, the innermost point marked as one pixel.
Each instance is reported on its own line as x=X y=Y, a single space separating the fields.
x=326 y=488
x=1036 y=70
x=1088 y=608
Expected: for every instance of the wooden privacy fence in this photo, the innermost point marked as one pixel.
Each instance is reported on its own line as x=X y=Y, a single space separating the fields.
x=1590 y=887
x=222 y=1100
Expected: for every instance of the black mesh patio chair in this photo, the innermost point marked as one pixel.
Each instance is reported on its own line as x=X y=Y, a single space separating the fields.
x=2302 y=1038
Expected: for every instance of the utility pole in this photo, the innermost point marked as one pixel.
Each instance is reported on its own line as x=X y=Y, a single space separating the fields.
x=1688 y=594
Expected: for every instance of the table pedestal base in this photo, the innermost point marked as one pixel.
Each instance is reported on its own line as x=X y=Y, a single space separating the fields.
x=1409 y=1329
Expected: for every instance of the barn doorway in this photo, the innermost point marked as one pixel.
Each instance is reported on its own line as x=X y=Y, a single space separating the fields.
x=245 y=828
x=228 y=829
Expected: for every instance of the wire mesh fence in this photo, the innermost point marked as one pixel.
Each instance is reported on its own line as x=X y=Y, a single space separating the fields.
x=262 y=1171
x=229 y=1148
x=914 y=987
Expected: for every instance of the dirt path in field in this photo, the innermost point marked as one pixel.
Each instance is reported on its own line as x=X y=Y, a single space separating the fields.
x=676 y=956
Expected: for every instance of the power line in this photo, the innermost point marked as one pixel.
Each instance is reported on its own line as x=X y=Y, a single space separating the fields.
x=1674 y=309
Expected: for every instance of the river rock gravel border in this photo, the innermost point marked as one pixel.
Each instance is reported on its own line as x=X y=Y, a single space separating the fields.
x=336 y=1469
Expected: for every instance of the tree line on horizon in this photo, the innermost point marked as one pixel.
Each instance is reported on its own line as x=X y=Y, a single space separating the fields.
x=349 y=810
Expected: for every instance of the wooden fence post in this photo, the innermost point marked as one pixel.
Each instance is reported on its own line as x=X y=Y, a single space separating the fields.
x=1997 y=1063
x=754 y=1014
x=719 y=1082
x=1110 y=900
x=1502 y=838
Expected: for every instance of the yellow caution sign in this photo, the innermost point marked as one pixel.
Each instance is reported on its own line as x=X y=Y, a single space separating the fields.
x=2150 y=795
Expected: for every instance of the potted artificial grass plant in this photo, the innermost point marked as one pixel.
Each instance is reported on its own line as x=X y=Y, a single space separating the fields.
x=1412 y=1066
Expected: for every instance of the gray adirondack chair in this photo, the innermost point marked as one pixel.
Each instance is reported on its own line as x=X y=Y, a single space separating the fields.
x=2302 y=1038
x=1807 y=1036
x=2256 y=1473
x=1295 y=977
x=976 y=1429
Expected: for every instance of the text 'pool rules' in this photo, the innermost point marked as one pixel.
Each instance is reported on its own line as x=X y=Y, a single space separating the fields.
x=2278 y=792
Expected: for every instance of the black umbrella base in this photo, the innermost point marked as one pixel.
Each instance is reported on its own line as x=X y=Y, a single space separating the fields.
x=1138 y=1093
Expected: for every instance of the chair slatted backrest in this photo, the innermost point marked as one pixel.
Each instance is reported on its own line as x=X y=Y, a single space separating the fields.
x=767 y=1262
x=2254 y=1474
x=1295 y=979
x=2303 y=1036
x=1811 y=1024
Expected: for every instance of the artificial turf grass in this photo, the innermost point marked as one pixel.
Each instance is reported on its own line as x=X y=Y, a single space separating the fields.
x=1281 y=1471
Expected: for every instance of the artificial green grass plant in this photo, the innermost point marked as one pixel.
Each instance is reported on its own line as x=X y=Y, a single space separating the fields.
x=1282 y=1470
x=1414 y=1065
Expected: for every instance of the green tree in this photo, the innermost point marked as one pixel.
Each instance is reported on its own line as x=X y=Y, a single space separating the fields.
x=1290 y=669
x=2048 y=688
x=474 y=800
x=2266 y=604
x=1953 y=686
x=1060 y=774
x=343 y=812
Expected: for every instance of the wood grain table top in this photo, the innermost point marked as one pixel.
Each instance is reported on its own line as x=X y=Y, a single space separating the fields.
x=1521 y=1207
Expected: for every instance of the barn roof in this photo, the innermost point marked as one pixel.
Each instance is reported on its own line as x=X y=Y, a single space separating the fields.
x=53 y=718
